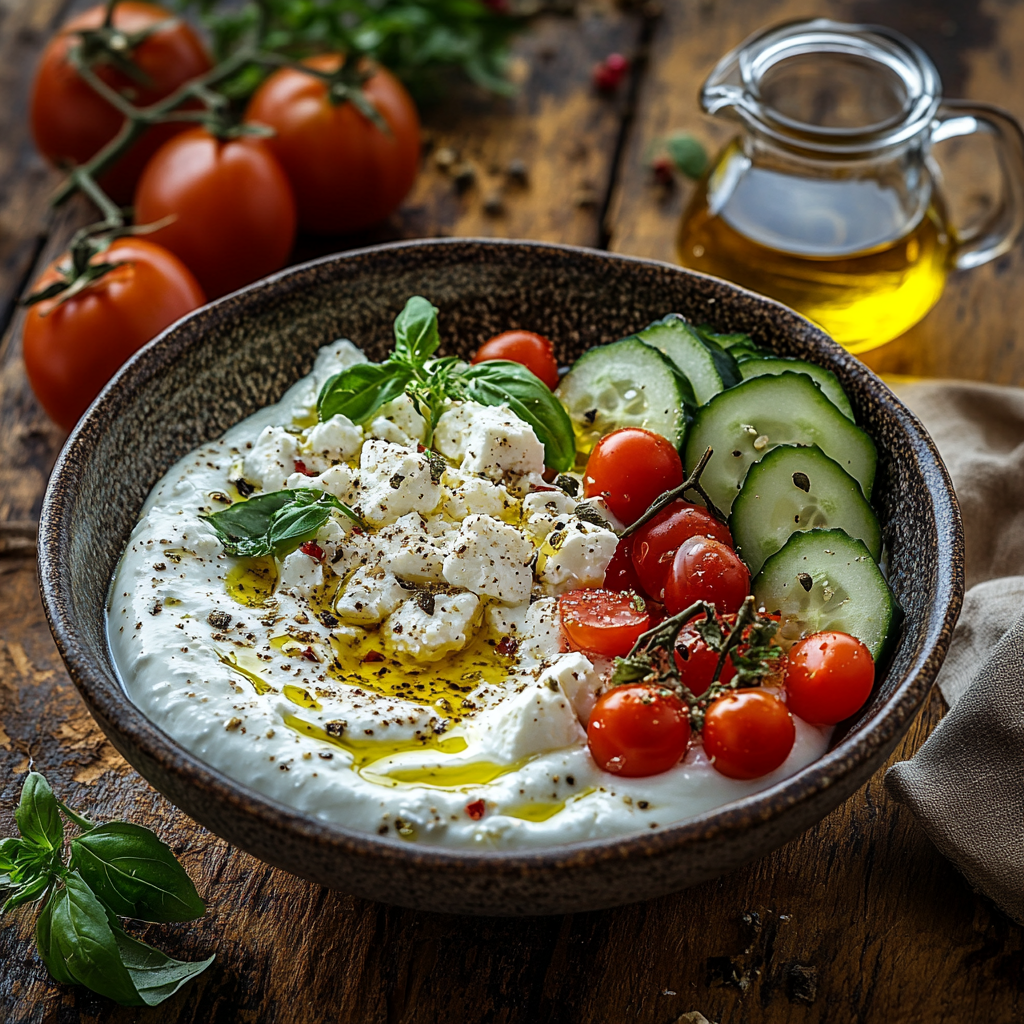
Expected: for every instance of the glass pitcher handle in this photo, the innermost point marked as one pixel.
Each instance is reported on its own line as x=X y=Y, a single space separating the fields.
x=999 y=232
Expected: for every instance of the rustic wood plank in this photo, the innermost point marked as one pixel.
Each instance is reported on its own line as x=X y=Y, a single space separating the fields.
x=975 y=47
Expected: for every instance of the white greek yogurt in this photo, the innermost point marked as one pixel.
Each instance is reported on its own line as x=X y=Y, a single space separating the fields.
x=409 y=679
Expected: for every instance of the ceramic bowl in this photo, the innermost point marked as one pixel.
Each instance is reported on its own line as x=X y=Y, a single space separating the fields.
x=228 y=359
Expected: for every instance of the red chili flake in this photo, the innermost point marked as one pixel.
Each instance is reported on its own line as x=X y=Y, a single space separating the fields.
x=549 y=474
x=300 y=467
x=537 y=488
x=421 y=448
x=507 y=646
x=476 y=809
x=608 y=75
x=664 y=171
x=373 y=656
x=313 y=549
x=309 y=654
x=357 y=531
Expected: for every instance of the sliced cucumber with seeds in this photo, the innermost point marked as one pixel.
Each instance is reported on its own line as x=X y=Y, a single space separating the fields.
x=746 y=422
x=827 y=580
x=797 y=488
x=625 y=384
x=758 y=365
x=707 y=366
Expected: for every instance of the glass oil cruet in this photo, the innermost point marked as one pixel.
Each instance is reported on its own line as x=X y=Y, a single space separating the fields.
x=830 y=200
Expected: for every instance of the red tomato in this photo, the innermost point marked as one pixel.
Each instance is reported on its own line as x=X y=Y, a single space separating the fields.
x=829 y=677
x=705 y=569
x=638 y=730
x=534 y=351
x=620 y=574
x=696 y=661
x=73 y=349
x=604 y=622
x=748 y=733
x=71 y=122
x=347 y=174
x=233 y=209
x=629 y=468
x=655 y=543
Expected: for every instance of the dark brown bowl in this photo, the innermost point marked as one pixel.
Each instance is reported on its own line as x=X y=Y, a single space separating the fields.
x=228 y=359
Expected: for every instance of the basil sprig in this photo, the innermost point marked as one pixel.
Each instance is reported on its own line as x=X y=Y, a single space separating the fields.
x=276 y=522
x=359 y=391
x=114 y=870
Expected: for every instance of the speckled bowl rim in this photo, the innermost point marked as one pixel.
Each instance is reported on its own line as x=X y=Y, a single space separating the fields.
x=883 y=726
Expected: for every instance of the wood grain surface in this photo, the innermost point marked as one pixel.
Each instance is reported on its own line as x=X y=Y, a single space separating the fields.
x=858 y=920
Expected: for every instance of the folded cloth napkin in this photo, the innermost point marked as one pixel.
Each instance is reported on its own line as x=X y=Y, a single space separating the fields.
x=966 y=783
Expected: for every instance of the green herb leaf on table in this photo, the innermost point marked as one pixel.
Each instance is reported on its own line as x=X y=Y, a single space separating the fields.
x=275 y=522
x=135 y=874
x=37 y=814
x=116 y=869
x=499 y=382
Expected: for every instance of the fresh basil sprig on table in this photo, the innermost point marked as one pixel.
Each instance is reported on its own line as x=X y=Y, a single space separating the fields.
x=276 y=522
x=359 y=391
x=114 y=870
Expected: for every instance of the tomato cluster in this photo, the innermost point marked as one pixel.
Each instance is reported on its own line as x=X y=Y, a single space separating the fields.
x=227 y=199
x=680 y=556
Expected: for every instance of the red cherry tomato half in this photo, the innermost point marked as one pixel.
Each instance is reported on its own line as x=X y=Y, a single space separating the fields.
x=696 y=661
x=346 y=172
x=620 y=574
x=533 y=351
x=705 y=569
x=748 y=733
x=629 y=468
x=638 y=730
x=604 y=622
x=232 y=210
x=73 y=348
x=71 y=121
x=655 y=543
x=829 y=677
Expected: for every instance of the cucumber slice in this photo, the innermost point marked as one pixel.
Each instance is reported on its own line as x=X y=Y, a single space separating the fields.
x=824 y=579
x=707 y=366
x=746 y=422
x=792 y=489
x=737 y=344
x=758 y=365
x=625 y=384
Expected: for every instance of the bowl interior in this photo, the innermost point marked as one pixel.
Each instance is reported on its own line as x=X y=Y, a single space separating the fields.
x=224 y=362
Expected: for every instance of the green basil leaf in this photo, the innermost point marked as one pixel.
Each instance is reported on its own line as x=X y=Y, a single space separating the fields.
x=134 y=874
x=500 y=382
x=243 y=528
x=297 y=523
x=416 y=337
x=9 y=849
x=33 y=889
x=37 y=814
x=80 y=820
x=359 y=391
x=80 y=935
x=156 y=975
x=48 y=950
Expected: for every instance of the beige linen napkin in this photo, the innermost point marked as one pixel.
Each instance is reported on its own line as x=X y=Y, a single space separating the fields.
x=966 y=783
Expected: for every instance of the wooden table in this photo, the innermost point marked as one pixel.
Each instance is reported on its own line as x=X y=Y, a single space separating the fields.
x=858 y=920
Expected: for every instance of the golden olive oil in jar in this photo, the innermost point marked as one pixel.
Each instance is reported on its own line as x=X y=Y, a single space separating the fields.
x=838 y=251
x=830 y=200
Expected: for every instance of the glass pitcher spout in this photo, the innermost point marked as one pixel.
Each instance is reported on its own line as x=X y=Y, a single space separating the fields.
x=830 y=199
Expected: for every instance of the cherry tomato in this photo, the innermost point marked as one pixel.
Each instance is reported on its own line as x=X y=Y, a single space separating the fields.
x=233 y=209
x=655 y=543
x=629 y=468
x=749 y=733
x=604 y=622
x=73 y=349
x=638 y=730
x=696 y=661
x=347 y=174
x=829 y=677
x=620 y=574
x=534 y=351
x=71 y=122
x=705 y=569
